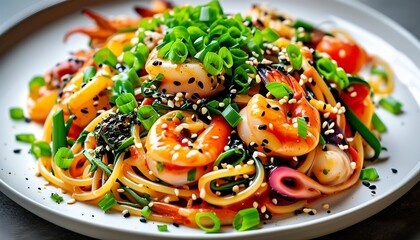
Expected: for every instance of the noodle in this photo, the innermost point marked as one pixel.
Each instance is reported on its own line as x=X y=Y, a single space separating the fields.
x=166 y=119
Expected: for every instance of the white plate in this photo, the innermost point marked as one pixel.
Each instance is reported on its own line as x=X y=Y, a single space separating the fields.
x=44 y=48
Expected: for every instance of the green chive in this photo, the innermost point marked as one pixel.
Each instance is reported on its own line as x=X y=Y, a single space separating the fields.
x=326 y=68
x=341 y=78
x=141 y=200
x=295 y=56
x=231 y=115
x=146 y=211
x=246 y=219
x=213 y=217
x=379 y=71
x=269 y=34
x=59 y=138
x=226 y=56
x=56 y=197
x=127 y=142
x=147 y=115
x=302 y=127
x=25 y=137
x=322 y=140
x=16 y=113
x=278 y=90
x=162 y=228
x=40 y=149
x=126 y=103
x=63 y=158
x=159 y=166
x=107 y=202
x=105 y=56
x=391 y=105
x=303 y=24
x=35 y=83
x=89 y=73
x=82 y=136
x=95 y=162
x=178 y=52
x=369 y=174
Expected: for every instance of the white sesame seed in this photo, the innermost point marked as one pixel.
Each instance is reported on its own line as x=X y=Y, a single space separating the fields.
x=353 y=165
x=274 y=201
x=245 y=176
x=263 y=209
x=176 y=190
x=250 y=162
x=235 y=189
x=353 y=94
x=150 y=172
x=71 y=201
x=166 y=199
x=193 y=196
x=271 y=126
x=326 y=206
x=120 y=190
x=171 y=104
x=202 y=193
x=255 y=204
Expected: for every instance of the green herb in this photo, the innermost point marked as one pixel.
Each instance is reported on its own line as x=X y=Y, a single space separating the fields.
x=89 y=73
x=159 y=166
x=105 y=56
x=59 y=138
x=325 y=171
x=269 y=34
x=36 y=83
x=82 y=136
x=95 y=162
x=278 y=89
x=107 y=202
x=163 y=228
x=40 y=149
x=126 y=143
x=63 y=158
x=380 y=72
x=231 y=115
x=147 y=115
x=213 y=63
x=391 y=105
x=369 y=174
x=378 y=124
x=126 y=103
x=25 y=137
x=141 y=200
x=303 y=24
x=302 y=127
x=246 y=219
x=146 y=211
x=209 y=215
x=56 y=197
x=16 y=113
x=322 y=140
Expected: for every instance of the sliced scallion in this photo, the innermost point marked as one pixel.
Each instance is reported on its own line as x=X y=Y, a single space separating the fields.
x=231 y=116
x=16 y=113
x=59 y=138
x=147 y=115
x=107 y=202
x=391 y=105
x=63 y=158
x=191 y=175
x=178 y=52
x=56 y=198
x=89 y=73
x=162 y=228
x=295 y=56
x=105 y=56
x=269 y=34
x=209 y=215
x=246 y=219
x=126 y=103
x=25 y=137
x=95 y=162
x=35 y=83
x=369 y=174
x=141 y=200
x=40 y=149
x=302 y=127
x=278 y=89
x=213 y=63
x=146 y=211
x=378 y=124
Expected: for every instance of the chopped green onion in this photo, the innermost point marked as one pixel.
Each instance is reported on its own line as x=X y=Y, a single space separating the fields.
x=56 y=197
x=25 y=137
x=159 y=166
x=226 y=56
x=82 y=136
x=391 y=105
x=191 y=175
x=16 y=113
x=213 y=63
x=369 y=174
x=216 y=223
x=325 y=171
x=233 y=151
x=303 y=24
x=89 y=73
x=302 y=127
x=142 y=200
x=146 y=211
x=147 y=115
x=126 y=103
x=68 y=124
x=326 y=68
x=341 y=78
x=97 y=162
x=36 y=83
x=127 y=142
x=162 y=228
x=178 y=52
x=105 y=56
x=59 y=138
x=239 y=56
x=107 y=202
x=357 y=80
x=227 y=186
x=246 y=219
x=63 y=158
x=322 y=140
x=269 y=34
x=40 y=149
x=379 y=71
x=179 y=116
x=295 y=56
x=378 y=124
x=278 y=90
x=231 y=115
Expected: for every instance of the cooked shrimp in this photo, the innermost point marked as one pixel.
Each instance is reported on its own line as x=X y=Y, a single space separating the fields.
x=333 y=166
x=272 y=125
x=177 y=146
x=104 y=27
x=189 y=77
x=263 y=17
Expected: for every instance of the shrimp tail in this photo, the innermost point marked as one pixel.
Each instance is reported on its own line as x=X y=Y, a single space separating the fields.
x=158 y=6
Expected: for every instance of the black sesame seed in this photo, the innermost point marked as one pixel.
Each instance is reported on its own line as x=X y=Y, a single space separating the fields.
x=268 y=105
x=289 y=114
x=96 y=98
x=143 y=220
x=262 y=127
x=17 y=150
x=155 y=63
x=276 y=108
x=177 y=83
x=328 y=211
x=126 y=214
x=27 y=120
x=311 y=213
x=324 y=107
x=372 y=187
x=367 y=184
x=84 y=110
x=265 y=141
x=200 y=84
x=373 y=192
x=262 y=114
x=191 y=80
x=267 y=150
x=313 y=83
x=394 y=170
x=175 y=224
x=306 y=118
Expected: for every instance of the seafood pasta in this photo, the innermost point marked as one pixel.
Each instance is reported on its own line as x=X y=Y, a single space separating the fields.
x=192 y=116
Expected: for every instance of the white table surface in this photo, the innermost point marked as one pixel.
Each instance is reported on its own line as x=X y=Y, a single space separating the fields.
x=398 y=221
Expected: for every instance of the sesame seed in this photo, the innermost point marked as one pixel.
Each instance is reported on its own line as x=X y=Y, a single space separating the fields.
x=255 y=204
x=235 y=189
x=271 y=126
x=353 y=94
x=274 y=201
x=126 y=213
x=250 y=162
x=193 y=196
x=176 y=190
x=263 y=209
x=120 y=190
x=71 y=201
x=202 y=193
x=143 y=220
x=326 y=206
x=204 y=110
x=164 y=125
x=394 y=170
